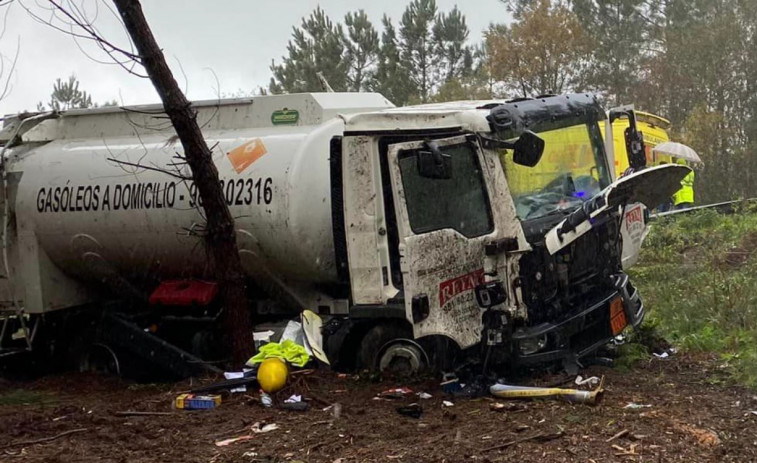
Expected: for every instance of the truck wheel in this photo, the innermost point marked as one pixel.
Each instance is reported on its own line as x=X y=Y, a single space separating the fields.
x=389 y=348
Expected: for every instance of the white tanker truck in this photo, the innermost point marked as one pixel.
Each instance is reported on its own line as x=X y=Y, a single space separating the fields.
x=400 y=227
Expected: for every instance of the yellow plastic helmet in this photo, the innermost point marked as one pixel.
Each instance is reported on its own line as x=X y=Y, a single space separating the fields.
x=272 y=374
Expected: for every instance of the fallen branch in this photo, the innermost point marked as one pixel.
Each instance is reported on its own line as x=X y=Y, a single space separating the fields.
x=135 y=413
x=43 y=440
x=618 y=435
x=537 y=437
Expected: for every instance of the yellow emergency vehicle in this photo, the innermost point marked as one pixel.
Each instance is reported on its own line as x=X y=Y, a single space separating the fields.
x=653 y=128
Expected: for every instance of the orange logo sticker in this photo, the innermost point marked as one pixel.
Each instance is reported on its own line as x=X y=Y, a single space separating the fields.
x=242 y=156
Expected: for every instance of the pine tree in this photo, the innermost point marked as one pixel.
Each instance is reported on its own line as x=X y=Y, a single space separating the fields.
x=391 y=78
x=618 y=31
x=417 y=45
x=362 y=47
x=66 y=95
x=450 y=34
x=318 y=45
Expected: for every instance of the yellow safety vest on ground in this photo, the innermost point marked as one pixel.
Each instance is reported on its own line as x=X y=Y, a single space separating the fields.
x=686 y=193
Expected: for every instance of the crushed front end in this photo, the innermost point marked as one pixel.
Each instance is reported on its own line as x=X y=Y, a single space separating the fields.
x=575 y=298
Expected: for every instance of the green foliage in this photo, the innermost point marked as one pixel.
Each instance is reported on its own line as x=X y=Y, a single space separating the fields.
x=361 y=48
x=698 y=278
x=66 y=95
x=318 y=45
x=411 y=63
x=543 y=52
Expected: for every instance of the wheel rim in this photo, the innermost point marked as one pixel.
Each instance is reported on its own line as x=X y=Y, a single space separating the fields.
x=403 y=357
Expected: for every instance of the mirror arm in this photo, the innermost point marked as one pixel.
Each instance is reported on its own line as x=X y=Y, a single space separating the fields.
x=493 y=143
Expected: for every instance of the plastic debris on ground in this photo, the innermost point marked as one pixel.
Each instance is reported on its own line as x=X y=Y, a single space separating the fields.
x=424 y=395
x=235 y=375
x=591 y=381
x=396 y=393
x=293 y=399
x=447 y=403
x=225 y=442
x=261 y=338
x=265 y=399
x=312 y=326
x=412 y=410
x=635 y=406
x=296 y=406
x=506 y=391
x=294 y=402
x=257 y=428
x=293 y=332
x=666 y=353
x=197 y=402
x=450 y=384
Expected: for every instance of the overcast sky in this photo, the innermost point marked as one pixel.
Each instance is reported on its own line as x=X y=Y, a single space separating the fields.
x=237 y=39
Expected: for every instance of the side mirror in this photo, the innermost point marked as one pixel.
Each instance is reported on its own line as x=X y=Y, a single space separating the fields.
x=432 y=163
x=528 y=149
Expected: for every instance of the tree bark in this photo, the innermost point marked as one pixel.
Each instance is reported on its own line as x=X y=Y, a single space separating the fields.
x=220 y=238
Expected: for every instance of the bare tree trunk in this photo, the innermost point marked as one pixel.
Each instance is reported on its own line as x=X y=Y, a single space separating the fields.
x=220 y=236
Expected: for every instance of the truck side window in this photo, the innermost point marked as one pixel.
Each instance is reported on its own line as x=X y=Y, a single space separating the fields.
x=460 y=203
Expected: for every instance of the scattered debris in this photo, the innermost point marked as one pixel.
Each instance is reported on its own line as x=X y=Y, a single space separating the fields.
x=506 y=391
x=617 y=435
x=424 y=395
x=197 y=402
x=635 y=406
x=296 y=406
x=629 y=452
x=225 y=442
x=265 y=399
x=396 y=393
x=250 y=454
x=412 y=410
x=447 y=403
x=258 y=429
x=591 y=381
x=704 y=437
x=227 y=384
x=450 y=384
x=44 y=439
x=235 y=375
x=505 y=407
x=293 y=399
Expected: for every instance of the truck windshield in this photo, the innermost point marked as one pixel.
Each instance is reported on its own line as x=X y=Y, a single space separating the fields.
x=572 y=170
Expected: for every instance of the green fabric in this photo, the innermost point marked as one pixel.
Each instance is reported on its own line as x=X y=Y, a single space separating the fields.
x=686 y=193
x=287 y=350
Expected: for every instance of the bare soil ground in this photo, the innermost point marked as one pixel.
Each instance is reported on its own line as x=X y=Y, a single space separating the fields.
x=691 y=417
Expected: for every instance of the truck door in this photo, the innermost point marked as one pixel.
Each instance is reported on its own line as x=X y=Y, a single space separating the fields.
x=444 y=218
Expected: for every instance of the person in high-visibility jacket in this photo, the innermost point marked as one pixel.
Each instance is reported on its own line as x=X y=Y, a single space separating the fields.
x=684 y=197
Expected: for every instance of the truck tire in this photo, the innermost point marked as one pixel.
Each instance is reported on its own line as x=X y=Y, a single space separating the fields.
x=375 y=342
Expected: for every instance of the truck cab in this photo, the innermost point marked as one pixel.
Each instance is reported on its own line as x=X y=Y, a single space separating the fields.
x=438 y=223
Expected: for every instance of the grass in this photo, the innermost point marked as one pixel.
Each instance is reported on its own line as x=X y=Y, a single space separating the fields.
x=698 y=277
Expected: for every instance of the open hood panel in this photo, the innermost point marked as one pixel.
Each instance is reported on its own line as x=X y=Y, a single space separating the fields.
x=650 y=186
